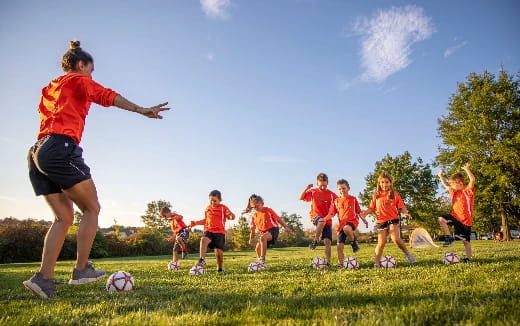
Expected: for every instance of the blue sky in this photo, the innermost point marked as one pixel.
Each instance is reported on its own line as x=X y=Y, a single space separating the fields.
x=264 y=94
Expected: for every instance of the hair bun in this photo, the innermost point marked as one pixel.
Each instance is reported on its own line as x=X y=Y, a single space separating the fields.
x=74 y=45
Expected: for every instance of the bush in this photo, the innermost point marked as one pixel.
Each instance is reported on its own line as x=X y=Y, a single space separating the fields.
x=150 y=242
x=21 y=241
x=117 y=246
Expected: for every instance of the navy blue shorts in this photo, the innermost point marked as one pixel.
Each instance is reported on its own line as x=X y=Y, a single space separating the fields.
x=183 y=234
x=327 y=230
x=385 y=225
x=462 y=231
x=218 y=240
x=274 y=235
x=342 y=236
x=56 y=164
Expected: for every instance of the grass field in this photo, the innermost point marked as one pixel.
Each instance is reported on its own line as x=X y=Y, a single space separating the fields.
x=485 y=292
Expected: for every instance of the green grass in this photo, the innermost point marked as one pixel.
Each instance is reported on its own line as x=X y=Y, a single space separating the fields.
x=485 y=292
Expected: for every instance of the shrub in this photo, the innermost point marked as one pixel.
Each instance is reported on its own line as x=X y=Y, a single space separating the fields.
x=21 y=241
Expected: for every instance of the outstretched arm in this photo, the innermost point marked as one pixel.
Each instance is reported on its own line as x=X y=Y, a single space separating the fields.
x=443 y=180
x=471 y=177
x=151 y=112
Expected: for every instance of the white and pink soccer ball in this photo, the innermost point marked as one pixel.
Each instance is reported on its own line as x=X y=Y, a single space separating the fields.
x=319 y=263
x=351 y=263
x=197 y=270
x=120 y=282
x=388 y=262
x=174 y=266
x=255 y=267
x=450 y=258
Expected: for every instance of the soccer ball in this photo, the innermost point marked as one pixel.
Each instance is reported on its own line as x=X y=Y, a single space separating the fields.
x=120 y=281
x=197 y=270
x=174 y=266
x=450 y=258
x=388 y=262
x=351 y=263
x=319 y=263
x=255 y=267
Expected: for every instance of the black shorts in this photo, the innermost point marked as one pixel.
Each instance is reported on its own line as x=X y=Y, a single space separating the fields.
x=462 y=231
x=218 y=240
x=55 y=163
x=274 y=235
x=183 y=234
x=385 y=225
x=342 y=236
x=327 y=230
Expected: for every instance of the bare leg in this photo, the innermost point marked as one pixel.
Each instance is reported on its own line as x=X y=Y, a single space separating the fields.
x=319 y=229
x=204 y=241
x=444 y=226
x=219 y=254
x=263 y=243
x=181 y=242
x=63 y=211
x=84 y=195
x=341 y=256
x=381 y=242
x=467 y=247
x=328 y=245
x=396 y=238
x=175 y=255
x=349 y=232
x=258 y=250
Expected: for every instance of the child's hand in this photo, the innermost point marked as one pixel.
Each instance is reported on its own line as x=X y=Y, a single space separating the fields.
x=171 y=239
x=251 y=241
x=289 y=230
x=365 y=222
x=466 y=166
x=407 y=216
x=440 y=174
x=309 y=186
x=192 y=224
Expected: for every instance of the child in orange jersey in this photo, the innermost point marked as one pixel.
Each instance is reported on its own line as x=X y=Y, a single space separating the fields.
x=461 y=217
x=180 y=233
x=321 y=200
x=214 y=229
x=387 y=203
x=266 y=221
x=348 y=210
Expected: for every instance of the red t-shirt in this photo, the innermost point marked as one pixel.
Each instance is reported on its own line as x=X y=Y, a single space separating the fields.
x=65 y=103
x=216 y=218
x=265 y=219
x=177 y=224
x=347 y=209
x=462 y=202
x=321 y=201
x=385 y=207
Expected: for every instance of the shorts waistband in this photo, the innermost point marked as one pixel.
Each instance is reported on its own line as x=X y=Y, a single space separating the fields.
x=57 y=137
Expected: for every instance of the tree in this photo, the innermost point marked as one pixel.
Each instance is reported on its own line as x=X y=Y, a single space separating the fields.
x=413 y=181
x=77 y=217
x=241 y=233
x=153 y=219
x=293 y=221
x=483 y=127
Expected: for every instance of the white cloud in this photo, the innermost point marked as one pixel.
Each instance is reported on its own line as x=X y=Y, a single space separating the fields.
x=449 y=51
x=387 y=38
x=216 y=8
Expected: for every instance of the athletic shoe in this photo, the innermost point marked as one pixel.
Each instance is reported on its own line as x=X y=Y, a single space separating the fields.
x=411 y=259
x=466 y=260
x=355 y=246
x=448 y=240
x=313 y=244
x=184 y=254
x=220 y=270
x=201 y=262
x=339 y=266
x=40 y=286
x=87 y=275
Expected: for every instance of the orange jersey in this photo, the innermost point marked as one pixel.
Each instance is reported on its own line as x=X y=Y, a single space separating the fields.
x=347 y=209
x=385 y=207
x=321 y=201
x=65 y=103
x=462 y=202
x=216 y=218
x=265 y=219
x=177 y=225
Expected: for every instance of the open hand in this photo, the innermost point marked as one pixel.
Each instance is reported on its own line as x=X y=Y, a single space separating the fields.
x=153 y=112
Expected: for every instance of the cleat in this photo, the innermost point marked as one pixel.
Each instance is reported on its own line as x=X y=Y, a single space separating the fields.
x=87 y=275
x=355 y=246
x=201 y=262
x=313 y=244
x=466 y=260
x=40 y=286
x=448 y=240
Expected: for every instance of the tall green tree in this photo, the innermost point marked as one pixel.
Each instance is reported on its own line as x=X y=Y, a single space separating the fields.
x=294 y=222
x=415 y=183
x=483 y=127
x=153 y=219
x=241 y=233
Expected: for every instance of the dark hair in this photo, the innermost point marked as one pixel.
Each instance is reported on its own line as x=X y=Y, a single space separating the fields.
x=385 y=175
x=457 y=177
x=322 y=177
x=253 y=198
x=216 y=193
x=343 y=182
x=165 y=209
x=74 y=55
